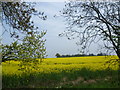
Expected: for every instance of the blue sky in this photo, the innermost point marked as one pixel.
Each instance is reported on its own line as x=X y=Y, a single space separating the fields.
x=54 y=26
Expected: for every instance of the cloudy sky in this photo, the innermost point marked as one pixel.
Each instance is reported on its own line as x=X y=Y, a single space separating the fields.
x=54 y=26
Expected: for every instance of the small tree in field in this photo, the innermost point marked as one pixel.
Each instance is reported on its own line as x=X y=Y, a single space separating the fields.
x=57 y=55
x=32 y=51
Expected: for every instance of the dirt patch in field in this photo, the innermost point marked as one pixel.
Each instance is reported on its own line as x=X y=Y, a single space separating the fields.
x=107 y=78
x=74 y=82
x=104 y=79
x=79 y=79
x=64 y=79
x=89 y=81
x=43 y=84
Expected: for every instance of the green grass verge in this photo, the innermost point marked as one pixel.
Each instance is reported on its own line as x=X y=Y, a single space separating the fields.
x=83 y=78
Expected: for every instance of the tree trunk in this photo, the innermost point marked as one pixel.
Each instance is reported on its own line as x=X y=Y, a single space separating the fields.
x=118 y=52
x=119 y=32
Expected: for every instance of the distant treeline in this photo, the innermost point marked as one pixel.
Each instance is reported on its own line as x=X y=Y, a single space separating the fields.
x=80 y=55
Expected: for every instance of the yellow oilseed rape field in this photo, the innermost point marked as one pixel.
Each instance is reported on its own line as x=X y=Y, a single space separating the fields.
x=55 y=69
x=58 y=65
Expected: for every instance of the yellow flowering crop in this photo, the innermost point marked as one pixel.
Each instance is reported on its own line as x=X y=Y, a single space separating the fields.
x=58 y=65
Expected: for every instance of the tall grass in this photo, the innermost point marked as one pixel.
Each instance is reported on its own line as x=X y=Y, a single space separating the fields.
x=53 y=80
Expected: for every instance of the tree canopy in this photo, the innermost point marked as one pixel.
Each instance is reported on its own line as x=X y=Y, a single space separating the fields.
x=18 y=15
x=30 y=48
x=101 y=21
